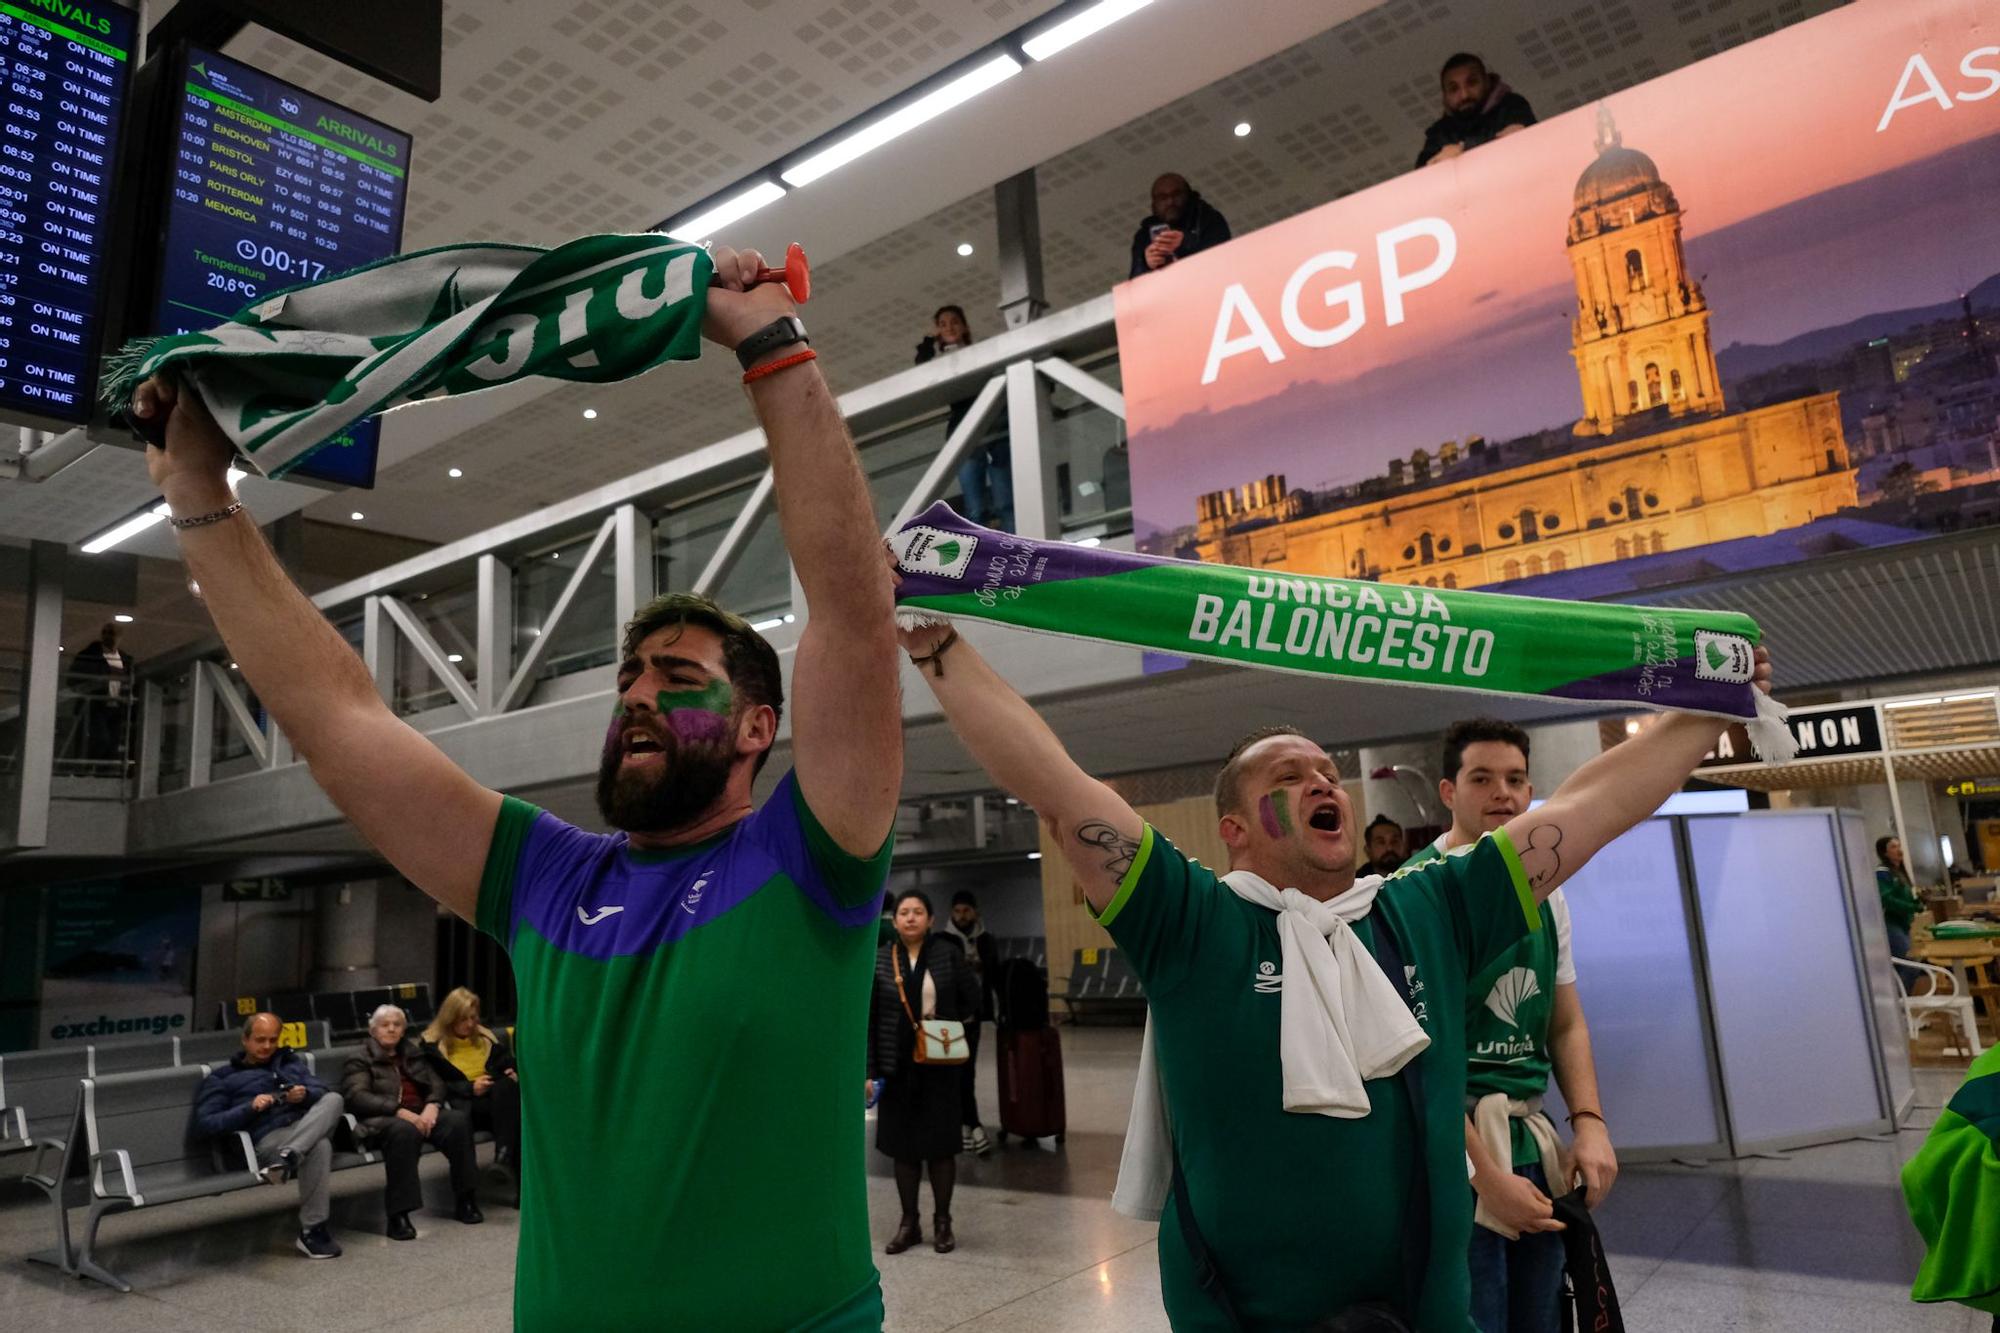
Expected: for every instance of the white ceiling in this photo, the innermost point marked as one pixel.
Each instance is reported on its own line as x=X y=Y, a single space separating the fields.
x=562 y=117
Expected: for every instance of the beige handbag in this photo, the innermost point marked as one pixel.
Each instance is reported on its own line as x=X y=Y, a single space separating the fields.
x=940 y=1041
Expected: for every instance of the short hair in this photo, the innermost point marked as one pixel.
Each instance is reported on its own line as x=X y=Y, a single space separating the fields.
x=1229 y=782
x=1473 y=730
x=1458 y=60
x=251 y=1022
x=382 y=1009
x=965 y=898
x=920 y=896
x=752 y=662
x=1380 y=821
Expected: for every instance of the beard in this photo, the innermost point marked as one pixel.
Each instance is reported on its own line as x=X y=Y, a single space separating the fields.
x=659 y=798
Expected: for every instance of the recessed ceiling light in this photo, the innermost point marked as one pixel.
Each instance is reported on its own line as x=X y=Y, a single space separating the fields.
x=964 y=248
x=454 y=657
x=232 y=666
x=590 y=414
x=357 y=516
x=122 y=618
x=455 y=472
x=1034 y=856
x=1242 y=129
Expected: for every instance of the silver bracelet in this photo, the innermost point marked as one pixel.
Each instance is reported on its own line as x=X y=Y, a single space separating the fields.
x=203 y=520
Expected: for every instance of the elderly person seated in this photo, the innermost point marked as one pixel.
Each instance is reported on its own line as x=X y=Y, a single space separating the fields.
x=271 y=1094
x=478 y=1073
x=400 y=1104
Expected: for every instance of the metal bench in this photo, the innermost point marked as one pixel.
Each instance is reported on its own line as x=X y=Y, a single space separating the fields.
x=1104 y=981
x=125 y=1057
x=41 y=1106
x=143 y=1152
x=219 y=1048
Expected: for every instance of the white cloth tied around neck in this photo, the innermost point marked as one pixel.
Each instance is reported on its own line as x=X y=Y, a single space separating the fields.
x=1341 y=1021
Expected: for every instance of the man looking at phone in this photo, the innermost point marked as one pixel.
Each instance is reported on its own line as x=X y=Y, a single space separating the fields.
x=1181 y=223
x=268 y=1092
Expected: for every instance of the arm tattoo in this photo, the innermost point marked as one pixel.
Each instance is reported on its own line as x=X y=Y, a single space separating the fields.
x=1540 y=858
x=1118 y=849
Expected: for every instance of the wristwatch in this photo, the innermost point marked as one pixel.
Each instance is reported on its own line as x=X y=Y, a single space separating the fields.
x=780 y=332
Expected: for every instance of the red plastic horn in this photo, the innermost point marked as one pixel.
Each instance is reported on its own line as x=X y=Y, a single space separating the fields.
x=796 y=274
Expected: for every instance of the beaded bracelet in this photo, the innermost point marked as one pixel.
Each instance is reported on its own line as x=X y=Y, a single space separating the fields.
x=773 y=367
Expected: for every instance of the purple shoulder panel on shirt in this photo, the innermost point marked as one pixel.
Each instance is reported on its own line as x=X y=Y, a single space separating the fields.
x=588 y=894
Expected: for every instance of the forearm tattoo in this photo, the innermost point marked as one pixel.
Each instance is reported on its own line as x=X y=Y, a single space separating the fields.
x=1118 y=849
x=1540 y=858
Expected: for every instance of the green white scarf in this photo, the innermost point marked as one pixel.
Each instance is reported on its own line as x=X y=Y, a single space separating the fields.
x=289 y=372
x=1694 y=661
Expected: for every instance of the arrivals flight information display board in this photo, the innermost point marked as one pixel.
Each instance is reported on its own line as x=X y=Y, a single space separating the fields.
x=64 y=70
x=273 y=187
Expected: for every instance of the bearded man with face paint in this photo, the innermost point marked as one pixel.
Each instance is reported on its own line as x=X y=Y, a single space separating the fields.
x=733 y=942
x=1299 y=1120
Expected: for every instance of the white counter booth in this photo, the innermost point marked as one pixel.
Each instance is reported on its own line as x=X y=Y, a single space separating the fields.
x=1734 y=971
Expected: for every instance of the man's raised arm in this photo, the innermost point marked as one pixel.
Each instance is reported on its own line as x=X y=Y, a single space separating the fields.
x=419 y=809
x=1097 y=831
x=847 y=725
x=1614 y=791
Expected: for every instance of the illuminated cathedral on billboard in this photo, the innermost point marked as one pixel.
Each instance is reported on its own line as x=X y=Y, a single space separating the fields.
x=1655 y=463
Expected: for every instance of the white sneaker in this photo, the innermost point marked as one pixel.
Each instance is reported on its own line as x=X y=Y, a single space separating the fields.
x=976 y=1141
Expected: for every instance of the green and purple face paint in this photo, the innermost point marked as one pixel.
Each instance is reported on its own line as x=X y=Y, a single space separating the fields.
x=693 y=716
x=1274 y=812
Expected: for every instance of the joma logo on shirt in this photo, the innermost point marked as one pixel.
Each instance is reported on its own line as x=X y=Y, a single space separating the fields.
x=1269 y=980
x=592 y=918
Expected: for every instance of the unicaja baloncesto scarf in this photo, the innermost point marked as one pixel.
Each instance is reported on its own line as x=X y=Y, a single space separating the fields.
x=290 y=371
x=1691 y=661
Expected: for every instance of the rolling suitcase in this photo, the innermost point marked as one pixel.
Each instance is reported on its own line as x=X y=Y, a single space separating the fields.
x=1031 y=1083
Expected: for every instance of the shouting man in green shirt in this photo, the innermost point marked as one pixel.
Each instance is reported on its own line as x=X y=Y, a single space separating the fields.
x=1306 y=1048
x=1522 y=1019
x=693 y=987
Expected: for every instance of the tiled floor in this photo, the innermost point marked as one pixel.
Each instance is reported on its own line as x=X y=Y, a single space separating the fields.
x=1816 y=1241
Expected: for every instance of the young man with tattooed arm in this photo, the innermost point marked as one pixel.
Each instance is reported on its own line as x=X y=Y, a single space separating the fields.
x=1308 y=1034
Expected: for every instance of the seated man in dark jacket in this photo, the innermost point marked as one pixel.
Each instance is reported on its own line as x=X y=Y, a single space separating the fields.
x=1181 y=223
x=1479 y=107
x=399 y=1102
x=288 y=1114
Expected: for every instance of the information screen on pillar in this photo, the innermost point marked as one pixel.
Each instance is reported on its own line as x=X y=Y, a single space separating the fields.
x=64 y=70
x=273 y=187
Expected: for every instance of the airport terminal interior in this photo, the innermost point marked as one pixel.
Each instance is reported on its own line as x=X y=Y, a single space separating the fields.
x=1239 y=606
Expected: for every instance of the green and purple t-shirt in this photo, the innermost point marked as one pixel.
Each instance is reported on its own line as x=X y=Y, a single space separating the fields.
x=691 y=1031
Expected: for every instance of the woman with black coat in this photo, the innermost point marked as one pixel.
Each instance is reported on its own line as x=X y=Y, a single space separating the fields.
x=917 y=1120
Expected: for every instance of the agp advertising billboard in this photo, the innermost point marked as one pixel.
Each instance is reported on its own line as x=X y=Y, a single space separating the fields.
x=1744 y=314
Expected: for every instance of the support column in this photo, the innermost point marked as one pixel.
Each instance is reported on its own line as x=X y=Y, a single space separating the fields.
x=1020 y=249
x=344 y=937
x=40 y=688
x=495 y=630
x=1030 y=434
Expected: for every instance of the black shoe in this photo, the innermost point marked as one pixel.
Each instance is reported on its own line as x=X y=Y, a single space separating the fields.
x=941 y=1227
x=468 y=1210
x=288 y=1158
x=317 y=1243
x=400 y=1228
x=908 y=1234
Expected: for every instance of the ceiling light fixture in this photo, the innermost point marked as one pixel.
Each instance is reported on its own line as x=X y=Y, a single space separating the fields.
x=590 y=414
x=964 y=249
x=122 y=618
x=1931 y=702
x=733 y=209
x=1087 y=541
x=1034 y=856
x=127 y=529
x=454 y=657
x=901 y=121
x=1079 y=26
x=357 y=516
x=455 y=472
x=1242 y=129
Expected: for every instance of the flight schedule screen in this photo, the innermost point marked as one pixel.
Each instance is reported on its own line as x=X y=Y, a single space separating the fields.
x=64 y=70
x=273 y=187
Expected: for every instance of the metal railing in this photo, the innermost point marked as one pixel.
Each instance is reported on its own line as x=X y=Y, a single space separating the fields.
x=530 y=611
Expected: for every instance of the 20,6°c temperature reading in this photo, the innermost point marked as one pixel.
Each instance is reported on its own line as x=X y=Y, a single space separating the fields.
x=279 y=260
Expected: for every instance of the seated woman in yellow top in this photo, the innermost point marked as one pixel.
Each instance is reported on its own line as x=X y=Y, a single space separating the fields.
x=479 y=1073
